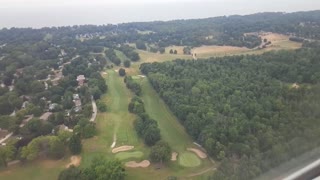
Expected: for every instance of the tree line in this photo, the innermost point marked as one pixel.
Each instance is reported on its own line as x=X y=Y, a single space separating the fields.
x=257 y=110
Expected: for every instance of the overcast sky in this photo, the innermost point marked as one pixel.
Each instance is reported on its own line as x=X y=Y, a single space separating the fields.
x=40 y=13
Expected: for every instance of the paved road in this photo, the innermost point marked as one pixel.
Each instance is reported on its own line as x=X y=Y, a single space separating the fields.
x=5 y=138
x=94 y=109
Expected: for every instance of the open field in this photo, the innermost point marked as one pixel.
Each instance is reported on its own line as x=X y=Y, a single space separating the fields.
x=36 y=170
x=117 y=122
x=278 y=42
x=121 y=56
x=170 y=127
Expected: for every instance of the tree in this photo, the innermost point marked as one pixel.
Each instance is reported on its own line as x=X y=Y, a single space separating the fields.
x=160 y=152
x=162 y=50
x=72 y=173
x=75 y=145
x=122 y=72
x=171 y=51
x=175 y=52
x=102 y=107
x=49 y=145
x=141 y=45
x=127 y=63
x=151 y=135
x=101 y=168
x=6 y=153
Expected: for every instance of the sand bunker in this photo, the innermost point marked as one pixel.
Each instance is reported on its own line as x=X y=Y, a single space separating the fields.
x=174 y=156
x=295 y=86
x=134 y=164
x=199 y=153
x=114 y=141
x=122 y=148
x=75 y=160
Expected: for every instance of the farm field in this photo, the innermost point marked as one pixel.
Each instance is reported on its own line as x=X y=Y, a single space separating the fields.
x=278 y=42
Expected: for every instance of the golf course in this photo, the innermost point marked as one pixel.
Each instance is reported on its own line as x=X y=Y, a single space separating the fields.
x=115 y=130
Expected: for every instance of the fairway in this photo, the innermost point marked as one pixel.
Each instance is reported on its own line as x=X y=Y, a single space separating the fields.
x=171 y=129
x=189 y=159
x=116 y=124
x=129 y=155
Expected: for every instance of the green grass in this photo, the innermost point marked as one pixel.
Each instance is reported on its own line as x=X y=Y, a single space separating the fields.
x=171 y=129
x=121 y=56
x=189 y=159
x=116 y=122
x=129 y=155
x=36 y=170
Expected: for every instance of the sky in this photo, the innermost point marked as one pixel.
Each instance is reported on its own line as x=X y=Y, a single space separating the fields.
x=48 y=13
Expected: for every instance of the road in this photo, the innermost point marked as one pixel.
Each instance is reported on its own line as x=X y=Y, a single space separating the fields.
x=94 y=110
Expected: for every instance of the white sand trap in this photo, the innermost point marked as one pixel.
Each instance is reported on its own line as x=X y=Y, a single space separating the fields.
x=174 y=156
x=134 y=164
x=116 y=70
x=114 y=141
x=104 y=73
x=75 y=160
x=295 y=86
x=142 y=76
x=199 y=153
x=122 y=148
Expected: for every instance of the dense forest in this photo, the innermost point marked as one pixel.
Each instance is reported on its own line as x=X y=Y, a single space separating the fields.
x=224 y=30
x=250 y=111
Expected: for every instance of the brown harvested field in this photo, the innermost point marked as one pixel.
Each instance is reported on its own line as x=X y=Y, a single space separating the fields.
x=122 y=148
x=273 y=37
x=209 y=51
x=146 y=56
x=174 y=156
x=75 y=160
x=199 y=153
x=134 y=164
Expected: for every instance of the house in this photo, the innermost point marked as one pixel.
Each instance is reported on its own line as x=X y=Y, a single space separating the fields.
x=53 y=106
x=77 y=102
x=65 y=128
x=81 y=80
x=25 y=104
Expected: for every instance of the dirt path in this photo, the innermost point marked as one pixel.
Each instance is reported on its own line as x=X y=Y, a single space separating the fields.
x=134 y=164
x=122 y=148
x=94 y=109
x=75 y=160
x=202 y=172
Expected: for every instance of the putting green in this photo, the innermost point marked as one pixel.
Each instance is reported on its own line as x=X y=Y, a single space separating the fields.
x=126 y=155
x=189 y=159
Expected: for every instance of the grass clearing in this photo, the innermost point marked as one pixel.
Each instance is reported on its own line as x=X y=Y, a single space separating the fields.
x=36 y=170
x=121 y=56
x=189 y=159
x=129 y=155
x=116 y=122
x=278 y=42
